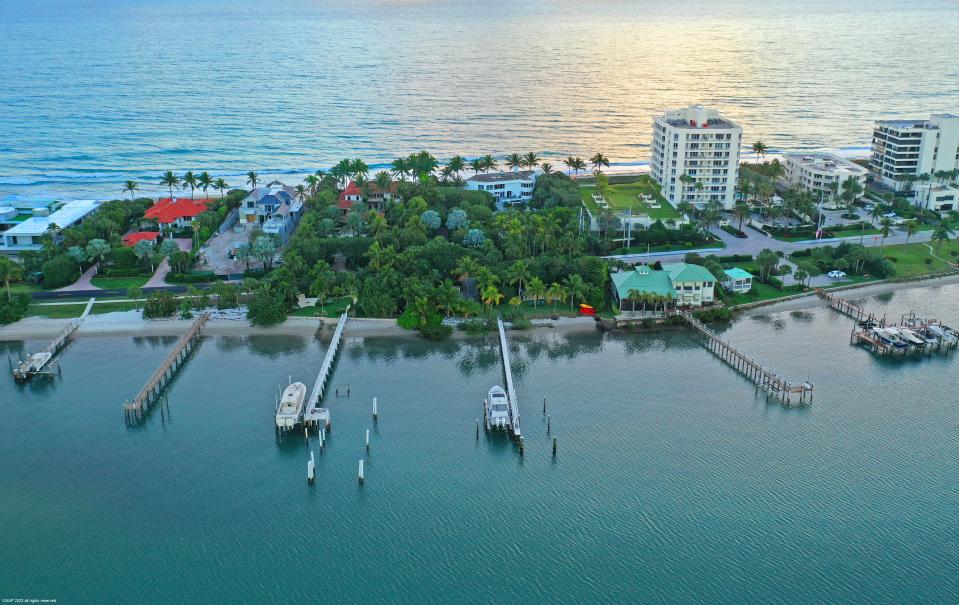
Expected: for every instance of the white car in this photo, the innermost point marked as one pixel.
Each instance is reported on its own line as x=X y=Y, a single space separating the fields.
x=836 y=274
x=890 y=215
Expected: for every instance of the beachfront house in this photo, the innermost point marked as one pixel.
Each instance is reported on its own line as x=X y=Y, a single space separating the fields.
x=676 y=285
x=132 y=239
x=737 y=281
x=509 y=188
x=27 y=232
x=374 y=196
x=275 y=210
x=177 y=213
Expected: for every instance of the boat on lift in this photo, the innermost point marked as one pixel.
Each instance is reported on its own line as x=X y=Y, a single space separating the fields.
x=290 y=410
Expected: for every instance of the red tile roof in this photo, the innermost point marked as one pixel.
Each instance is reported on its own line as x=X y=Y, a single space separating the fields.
x=168 y=210
x=131 y=239
x=351 y=190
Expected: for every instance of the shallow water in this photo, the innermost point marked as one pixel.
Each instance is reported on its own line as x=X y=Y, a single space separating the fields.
x=674 y=481
x=99 y=91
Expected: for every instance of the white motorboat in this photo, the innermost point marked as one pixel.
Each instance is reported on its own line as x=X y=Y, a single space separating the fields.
x=291 y=405
x=911 y=337
x=890 y=336
x=35 y=363
x=497 y=409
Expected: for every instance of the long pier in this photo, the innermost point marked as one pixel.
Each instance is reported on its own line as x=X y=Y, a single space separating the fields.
x=514 y=416
x=775 y=385
x=886 y=338
x=135 y=410
x=312 y=413
x=35 y=363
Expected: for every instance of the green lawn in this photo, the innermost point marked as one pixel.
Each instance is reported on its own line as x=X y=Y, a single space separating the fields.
x=128 y=305
x=760 y=292
x=910 y=259
x=111 y=283
x=627 y=195
x=18 y=288
x=673 y=247
x=331 y=309
x=56 y=311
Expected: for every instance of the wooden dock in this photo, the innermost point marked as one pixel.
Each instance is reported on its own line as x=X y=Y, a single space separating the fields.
x=136 y=410
x=772 y=383
x=937 y=337
x=313 y=415
x=514 y=415
x=37 y=362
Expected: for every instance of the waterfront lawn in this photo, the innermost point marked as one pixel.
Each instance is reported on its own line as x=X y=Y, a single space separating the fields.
x=331 y=309
x=760 y=292
x=625 y=195
x=111 y=307
x=57 y=311
x=910 y=259
x=113 y=283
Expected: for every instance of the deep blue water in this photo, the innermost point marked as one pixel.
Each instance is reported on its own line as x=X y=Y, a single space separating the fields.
x=98 y=91
x=674 y=482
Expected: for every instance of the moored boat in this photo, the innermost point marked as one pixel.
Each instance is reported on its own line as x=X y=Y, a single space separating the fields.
x=291 y=405
x=497 y=408
x=34 y=364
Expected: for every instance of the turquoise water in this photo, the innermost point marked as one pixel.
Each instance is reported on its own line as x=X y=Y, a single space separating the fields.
x=98 y=91
x=674 y=482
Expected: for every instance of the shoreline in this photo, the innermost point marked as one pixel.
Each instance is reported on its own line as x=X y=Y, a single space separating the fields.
x=131 y=323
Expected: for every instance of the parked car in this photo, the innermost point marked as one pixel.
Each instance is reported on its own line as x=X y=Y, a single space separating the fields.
x=836 y=274
x=868 y=207
x=890 y=215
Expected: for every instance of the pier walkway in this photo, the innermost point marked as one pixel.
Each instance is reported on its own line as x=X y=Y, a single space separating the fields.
x=312 y=414
x=37 y=362
x=136 y=410
x=775 y=385
x=514 y=416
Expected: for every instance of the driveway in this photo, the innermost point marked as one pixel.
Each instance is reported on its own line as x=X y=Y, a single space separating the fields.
x=215 y=253
x=83 y=284
x=159 y=276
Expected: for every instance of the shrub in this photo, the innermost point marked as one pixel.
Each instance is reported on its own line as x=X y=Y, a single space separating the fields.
x=954 y=253
x=775 y=283
x=927 y=260
x=522 y=324
x=13 y=309
x=476 y=326
x=407 y=320
x=59 y=271
x=435 y=331
x=735 y=258
x=191 y=278
x=160 y=304
x=802 y=253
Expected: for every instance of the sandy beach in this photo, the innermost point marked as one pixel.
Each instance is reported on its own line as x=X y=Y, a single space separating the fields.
x=131 y=323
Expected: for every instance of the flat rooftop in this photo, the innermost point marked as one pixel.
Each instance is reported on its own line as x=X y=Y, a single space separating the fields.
x=826 y=161
x=501 y=177
x=67 y=215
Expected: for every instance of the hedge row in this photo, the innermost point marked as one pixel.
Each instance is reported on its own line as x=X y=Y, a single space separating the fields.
x=190 y=278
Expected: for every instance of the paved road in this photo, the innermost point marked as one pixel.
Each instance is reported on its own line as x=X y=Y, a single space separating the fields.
x=55 y=294
x=756 y=242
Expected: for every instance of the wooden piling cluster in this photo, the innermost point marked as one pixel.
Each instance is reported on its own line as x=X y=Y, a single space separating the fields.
x=136 y=410
x=773 y=384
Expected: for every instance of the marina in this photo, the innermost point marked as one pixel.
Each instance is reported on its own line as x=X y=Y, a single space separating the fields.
x=134 y=411
x=911 y=335
x=40 y=362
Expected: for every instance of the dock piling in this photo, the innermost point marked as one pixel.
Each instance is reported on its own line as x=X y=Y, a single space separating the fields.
x=359 y=472
x=375 y=415
x=367 y=440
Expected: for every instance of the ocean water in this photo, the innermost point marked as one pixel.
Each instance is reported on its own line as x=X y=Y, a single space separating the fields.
x=674 y=482
x=99 y=91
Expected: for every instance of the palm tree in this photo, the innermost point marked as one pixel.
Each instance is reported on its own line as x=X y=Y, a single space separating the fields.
x=514 y=161
x=576 y=288
x=570 y=163
x=912 y=227
x=221 y=186
x=684 y=180
x=884 y=230
x=466 y=267
x=489 y=163
x=476 y=165
x=447 y=297
x=633 y=295
x=759 y=148
x=519 y=274
x=942 y=233
x=400 y=168
x=599 y=161
x=457 y=164
x=547 y=168
x=190 y=180
x=132 y=187
x=205 y=181
x=531 y=160
x=10 y=271
x=359 y=168
x=252 y=178
x=491 y=296
x=555 y=294
x=741 y=211
x=536 y=289
x=170 y=180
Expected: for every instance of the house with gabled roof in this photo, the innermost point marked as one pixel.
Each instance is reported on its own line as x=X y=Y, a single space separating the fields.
x=676 y=284
x=374 y=196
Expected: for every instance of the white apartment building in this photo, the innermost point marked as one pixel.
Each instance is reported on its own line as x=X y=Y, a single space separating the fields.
x=507 y=187
x=700 y=143
x=823 y=174
x=914 y=147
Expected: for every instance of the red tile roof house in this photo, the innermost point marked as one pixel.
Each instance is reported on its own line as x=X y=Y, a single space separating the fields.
x=377 y=199
x=131 y=239
x=177 y=211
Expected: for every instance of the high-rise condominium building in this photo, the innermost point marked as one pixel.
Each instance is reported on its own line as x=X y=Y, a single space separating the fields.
x=702 y=145
x=911 y=148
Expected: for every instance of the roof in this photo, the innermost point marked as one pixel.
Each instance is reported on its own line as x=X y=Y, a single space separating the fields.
x=67 y=215
x=502 y=177
x=644 y=280
x=131 y=239
x=683 y=272
x=351 y=190
x=737 y=273
x=168 y=210
x=819 y=160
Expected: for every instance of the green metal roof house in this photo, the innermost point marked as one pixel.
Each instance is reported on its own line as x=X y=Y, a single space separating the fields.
x=684 y=284
x=737 y=280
